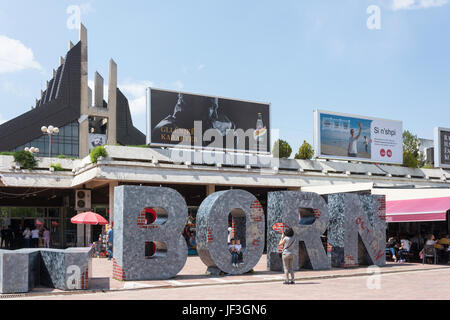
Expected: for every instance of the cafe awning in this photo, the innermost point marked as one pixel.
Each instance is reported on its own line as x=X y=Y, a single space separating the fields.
x=415 y=210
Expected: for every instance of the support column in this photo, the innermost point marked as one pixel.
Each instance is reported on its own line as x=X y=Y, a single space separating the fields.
x=210 y=189
x=112 y=103
x=98 y=90
x=84 y=95
x=112 y=185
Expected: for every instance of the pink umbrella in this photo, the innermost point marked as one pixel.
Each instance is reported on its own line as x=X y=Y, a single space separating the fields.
x=88 y=218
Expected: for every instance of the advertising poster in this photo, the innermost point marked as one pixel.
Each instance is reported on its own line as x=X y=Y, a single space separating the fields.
x=211 y=122
x=96 y=140
x=342 y=136
x=442 y=148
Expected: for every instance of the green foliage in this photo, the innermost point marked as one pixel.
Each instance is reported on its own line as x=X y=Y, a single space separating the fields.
x=139 y=146
x=6 y=153
x=25 y=159
x=428 y=166
x=412 y=157
x=305 y=151
x=281 y=149
x=97 y=152
x=56 y=166
x=63 y=156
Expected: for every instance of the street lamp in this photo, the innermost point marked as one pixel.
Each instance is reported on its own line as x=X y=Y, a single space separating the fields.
x=32 y=150
x=50 y=130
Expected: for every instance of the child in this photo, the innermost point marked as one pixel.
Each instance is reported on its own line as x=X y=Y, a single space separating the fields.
x=238 y=249
x=234 y=254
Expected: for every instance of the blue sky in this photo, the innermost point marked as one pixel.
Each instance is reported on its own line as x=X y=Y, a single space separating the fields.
x=298 y=55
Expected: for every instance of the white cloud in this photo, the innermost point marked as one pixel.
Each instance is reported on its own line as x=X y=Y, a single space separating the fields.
x=15 y=56
x=178 y=85
x=87 y=8
x=417 y=4
x=11 y=88
x=200 y=67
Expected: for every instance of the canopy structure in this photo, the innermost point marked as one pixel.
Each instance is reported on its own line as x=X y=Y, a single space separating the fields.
x=415 y=210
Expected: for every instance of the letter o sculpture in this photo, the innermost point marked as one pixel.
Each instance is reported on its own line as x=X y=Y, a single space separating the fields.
x=212 y=230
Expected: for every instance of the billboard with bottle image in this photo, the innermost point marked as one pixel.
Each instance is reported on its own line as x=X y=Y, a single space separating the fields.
x=350 y=137
x=207 y=122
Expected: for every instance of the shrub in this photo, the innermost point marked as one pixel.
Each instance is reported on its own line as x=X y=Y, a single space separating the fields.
x=56 y=166
x=97 y=152
x=6 y=153
x=305 y=151
x=25 y=159
x=281 y=149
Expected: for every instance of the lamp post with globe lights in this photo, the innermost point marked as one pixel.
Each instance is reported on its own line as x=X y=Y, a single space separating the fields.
x=32 y=150
x=50 y=130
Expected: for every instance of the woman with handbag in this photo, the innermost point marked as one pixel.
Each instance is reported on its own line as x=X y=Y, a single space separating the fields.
x=287 y=242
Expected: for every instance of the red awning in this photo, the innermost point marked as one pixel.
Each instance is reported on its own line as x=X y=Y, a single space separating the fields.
x=431 y=209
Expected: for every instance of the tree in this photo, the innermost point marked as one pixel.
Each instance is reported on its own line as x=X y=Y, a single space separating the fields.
x=306 y=151
x=412 y=157
x=281 y=149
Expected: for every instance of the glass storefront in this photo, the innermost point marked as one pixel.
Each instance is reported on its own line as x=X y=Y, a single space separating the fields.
x=19 y=218
x=64 y=143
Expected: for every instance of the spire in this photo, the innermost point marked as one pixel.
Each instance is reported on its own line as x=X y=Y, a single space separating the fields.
x=98 y=90
x=70 y=45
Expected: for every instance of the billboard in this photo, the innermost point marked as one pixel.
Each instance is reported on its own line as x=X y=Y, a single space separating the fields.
x=95 y=140
x=350 y=137
x=442 y=148
x=208 y=122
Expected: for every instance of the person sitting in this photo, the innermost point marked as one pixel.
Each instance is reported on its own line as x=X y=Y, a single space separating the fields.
x=234 y=254
x=442 y=246
x=404 y=249
x=391 y=247
x=238 y=248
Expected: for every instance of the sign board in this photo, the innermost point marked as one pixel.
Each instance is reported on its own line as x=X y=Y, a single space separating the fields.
x=178 y=119
x=442 y=148
x=96 y=140
x=350 y=137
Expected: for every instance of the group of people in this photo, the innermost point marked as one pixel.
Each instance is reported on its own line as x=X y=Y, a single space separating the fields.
x=25 y=238
x=400 y=247
x=235 y=249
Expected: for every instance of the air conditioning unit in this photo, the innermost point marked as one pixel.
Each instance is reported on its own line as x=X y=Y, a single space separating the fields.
x=82 y=200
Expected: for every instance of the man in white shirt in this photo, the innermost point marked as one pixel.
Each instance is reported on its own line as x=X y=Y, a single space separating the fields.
x=35 y=238
x=353 y=142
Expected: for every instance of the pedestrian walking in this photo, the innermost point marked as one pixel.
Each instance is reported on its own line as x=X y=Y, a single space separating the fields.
x=46 y=236
x=287 y=242
x=35 y=237
x=27 y=237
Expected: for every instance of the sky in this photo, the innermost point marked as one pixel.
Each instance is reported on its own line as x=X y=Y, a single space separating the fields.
x=378 y=58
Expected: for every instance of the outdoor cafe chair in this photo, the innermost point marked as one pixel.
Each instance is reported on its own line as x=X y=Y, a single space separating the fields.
x=429 y=252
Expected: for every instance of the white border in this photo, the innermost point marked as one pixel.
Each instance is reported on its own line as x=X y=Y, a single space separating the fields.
x=437 y=147
x=317 y=140
x=148 y=129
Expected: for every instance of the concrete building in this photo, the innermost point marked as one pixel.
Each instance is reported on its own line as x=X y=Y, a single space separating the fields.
x=51 y=196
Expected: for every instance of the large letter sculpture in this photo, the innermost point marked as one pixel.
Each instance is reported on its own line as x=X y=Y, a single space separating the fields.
x=212 y=225
x=352 y=215
x=139 y=232
x=283 y=210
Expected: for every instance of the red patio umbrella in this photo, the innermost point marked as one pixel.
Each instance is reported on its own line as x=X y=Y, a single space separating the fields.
x=88 y=218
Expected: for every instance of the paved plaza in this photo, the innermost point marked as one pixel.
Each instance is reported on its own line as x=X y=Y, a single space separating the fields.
x=390 y=282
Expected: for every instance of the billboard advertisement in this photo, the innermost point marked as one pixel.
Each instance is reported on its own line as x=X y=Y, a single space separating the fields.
x=96 y=140
x=208 y=122
x=442 y=148
x=350 y=137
